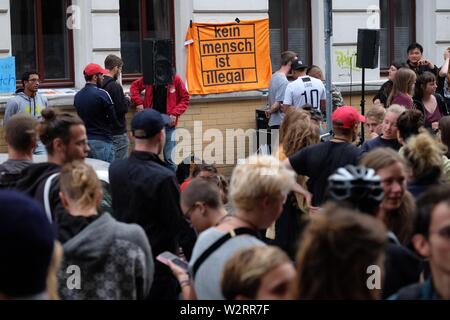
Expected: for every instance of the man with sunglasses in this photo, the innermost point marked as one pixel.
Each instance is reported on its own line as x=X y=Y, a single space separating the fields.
x=432 y=240
x=28 y=100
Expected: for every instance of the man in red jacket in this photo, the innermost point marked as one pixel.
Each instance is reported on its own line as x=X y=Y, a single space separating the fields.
x=171 y=99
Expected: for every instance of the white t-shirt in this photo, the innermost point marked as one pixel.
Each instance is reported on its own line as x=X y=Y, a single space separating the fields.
x=305 y=90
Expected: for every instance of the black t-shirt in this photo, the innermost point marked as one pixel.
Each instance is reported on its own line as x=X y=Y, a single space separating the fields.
x=160 y=99
x=379 y=142
x=320 y=161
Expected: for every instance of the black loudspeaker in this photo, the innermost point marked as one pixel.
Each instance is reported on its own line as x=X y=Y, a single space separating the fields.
x=157 y=61
x=368 y=48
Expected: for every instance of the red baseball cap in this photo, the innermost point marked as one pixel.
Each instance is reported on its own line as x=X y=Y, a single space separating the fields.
x=348 y=116
x=93 y=68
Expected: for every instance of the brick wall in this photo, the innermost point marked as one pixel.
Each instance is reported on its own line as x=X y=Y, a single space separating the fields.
x=220 y=116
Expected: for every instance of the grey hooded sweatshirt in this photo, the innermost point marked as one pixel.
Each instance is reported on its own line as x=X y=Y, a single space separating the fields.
x=107 y=260
x=23 y=103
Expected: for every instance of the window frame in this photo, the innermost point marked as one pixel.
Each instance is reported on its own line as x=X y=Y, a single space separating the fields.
x=39 y=52
x=384 y=71
x=128 y=78
x=285 y=28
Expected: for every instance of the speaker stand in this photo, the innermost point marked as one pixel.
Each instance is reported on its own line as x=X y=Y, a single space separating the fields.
x=363 y=101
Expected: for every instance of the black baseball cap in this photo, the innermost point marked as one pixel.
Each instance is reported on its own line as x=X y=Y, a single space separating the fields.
x=298 y=64
x=147 y=123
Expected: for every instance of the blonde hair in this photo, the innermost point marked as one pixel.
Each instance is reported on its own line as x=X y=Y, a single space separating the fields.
x=403 y=83
x=243 y=272
x=396 y=108
x=80 y=183
x=298 y=131
x=423 y=155
x=258 y=177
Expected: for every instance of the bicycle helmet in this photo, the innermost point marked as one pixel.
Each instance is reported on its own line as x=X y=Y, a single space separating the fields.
x=358 y=186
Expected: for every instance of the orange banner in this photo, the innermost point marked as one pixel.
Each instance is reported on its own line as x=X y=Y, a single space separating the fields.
x=228 y=57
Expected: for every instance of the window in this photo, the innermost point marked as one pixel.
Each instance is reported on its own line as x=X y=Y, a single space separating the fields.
x=41 y=40
x=397 y=30
x=290 y=29
x=140 y=19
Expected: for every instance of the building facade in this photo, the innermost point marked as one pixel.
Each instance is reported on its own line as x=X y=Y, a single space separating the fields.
x=59 y=37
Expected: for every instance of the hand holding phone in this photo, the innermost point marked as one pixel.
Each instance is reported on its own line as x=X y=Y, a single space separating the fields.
x=169 y=256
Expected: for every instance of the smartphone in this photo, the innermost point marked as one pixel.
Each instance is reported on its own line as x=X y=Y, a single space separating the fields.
x=169 y=256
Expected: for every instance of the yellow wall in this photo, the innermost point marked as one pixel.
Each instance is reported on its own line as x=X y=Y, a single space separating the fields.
x=221 y=116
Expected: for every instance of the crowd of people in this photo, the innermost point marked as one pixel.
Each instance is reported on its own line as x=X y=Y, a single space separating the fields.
x=321 y=219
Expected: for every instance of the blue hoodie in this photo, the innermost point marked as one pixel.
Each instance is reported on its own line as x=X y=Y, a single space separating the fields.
x=23 y=103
